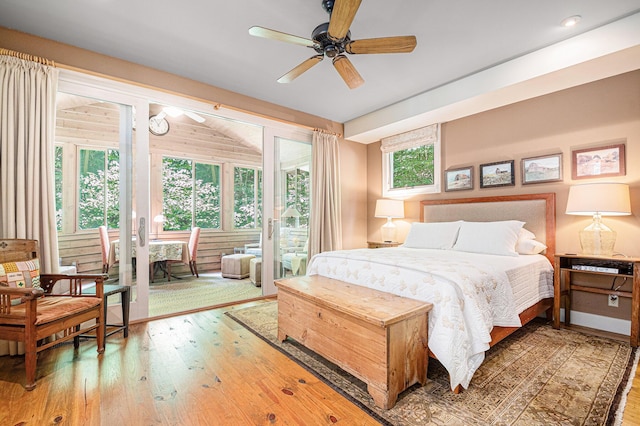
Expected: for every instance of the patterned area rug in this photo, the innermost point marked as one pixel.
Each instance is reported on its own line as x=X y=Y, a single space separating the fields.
x=177 y=295
x=537 y=376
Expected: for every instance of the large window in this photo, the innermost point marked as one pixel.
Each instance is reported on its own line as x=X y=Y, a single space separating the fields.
x=247 y=197
x=58 y=186
x=190 y=194
x=98 y=188
x=411 y=162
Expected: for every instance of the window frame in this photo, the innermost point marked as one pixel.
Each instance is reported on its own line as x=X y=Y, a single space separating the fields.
x=429 y=135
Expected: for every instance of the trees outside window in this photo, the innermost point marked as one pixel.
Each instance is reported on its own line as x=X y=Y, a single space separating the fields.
x=298 y=194
x=98 y=202
x=247 y=197
x=411 y=162
x=190 y=194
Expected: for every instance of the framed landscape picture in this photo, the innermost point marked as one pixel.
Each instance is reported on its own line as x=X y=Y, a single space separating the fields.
x=598 y=162
x=500 y=173
x=545 y=168
x=458 y=179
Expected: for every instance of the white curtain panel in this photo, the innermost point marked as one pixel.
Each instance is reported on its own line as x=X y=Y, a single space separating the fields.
x=326 y=220
x=27 y=179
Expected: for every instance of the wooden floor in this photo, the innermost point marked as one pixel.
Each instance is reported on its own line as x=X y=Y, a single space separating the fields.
x=196 y=369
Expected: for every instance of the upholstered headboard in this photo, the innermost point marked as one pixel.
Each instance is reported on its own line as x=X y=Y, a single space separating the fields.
x=538 y=211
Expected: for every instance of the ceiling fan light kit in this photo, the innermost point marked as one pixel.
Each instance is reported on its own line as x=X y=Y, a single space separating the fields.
x=333 y=39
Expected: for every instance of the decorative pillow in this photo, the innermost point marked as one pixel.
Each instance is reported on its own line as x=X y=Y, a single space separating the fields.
x=529 y=247
x=432 y=235
x=20 y=274
x=489 y=237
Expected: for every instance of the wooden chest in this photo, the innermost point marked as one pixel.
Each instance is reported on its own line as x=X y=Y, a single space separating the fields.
x=376 y=336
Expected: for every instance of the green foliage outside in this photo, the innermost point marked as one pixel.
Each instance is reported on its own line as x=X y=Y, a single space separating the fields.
x=412 y=167
x=58 y=186
x=99 y=189
x=298 y=194
x=247 y=198
x=191 y=194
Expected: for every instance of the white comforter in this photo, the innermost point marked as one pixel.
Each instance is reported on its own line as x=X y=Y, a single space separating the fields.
x=470 y=294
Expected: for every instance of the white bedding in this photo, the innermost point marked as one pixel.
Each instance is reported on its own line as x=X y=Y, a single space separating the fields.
x=471 y=293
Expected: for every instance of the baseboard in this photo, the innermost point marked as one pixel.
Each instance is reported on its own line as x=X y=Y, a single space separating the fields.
x=599 y=322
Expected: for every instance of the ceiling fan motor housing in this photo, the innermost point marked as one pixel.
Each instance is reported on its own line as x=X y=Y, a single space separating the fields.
x=326 y=45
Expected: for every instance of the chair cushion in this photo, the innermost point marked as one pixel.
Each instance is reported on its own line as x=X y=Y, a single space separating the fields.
x=55 y=307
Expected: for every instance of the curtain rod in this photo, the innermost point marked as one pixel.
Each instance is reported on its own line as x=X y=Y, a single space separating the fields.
x=27 y=57
x=327 y=132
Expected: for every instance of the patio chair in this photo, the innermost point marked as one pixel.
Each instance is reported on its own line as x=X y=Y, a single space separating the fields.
x=105 y=246
x=194 y=238
x=30 y=313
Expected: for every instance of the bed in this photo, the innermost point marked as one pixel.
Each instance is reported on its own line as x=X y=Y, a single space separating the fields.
x=455 y=258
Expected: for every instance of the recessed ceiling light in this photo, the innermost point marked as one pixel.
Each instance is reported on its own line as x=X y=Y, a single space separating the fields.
x=571 y=21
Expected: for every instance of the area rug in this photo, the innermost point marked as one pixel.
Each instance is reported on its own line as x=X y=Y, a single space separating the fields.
x=537 y=376
x=210 y=289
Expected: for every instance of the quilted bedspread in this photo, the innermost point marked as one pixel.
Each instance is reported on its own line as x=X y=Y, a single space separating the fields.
x=469 y=296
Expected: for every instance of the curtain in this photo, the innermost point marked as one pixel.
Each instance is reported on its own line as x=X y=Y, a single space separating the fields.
x=28 y=88
x=326 y=220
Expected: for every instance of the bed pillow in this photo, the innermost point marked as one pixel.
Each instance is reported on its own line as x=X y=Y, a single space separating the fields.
x=432 y=235
x=527 y=243
x=530 y=247
x=489 y=237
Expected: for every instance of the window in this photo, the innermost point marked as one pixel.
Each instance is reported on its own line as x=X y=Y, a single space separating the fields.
x=58 y=186
x=247 y=197
x=411 y=162
x=190 y=194
x=298 y=194
x=98 y=188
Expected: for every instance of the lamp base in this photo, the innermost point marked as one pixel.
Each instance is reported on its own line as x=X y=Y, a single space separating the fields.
x=388 y=231
x=597 y=239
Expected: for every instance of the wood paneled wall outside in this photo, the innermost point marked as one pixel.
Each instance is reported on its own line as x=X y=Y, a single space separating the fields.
x=85 y=123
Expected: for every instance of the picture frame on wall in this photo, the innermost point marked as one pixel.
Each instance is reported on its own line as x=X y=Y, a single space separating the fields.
x=542 y=169
x=604 y=161
x=500 y=173
x=459 y=179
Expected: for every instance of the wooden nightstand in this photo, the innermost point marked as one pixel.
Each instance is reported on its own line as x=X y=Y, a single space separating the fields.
x=380 y=244
x=623 y=267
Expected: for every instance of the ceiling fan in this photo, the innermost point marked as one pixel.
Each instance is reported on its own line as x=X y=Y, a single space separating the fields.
x=332 y=39
x=176 y=112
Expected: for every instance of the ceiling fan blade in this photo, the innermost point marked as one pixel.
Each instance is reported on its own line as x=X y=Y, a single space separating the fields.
x=347 y=71
x=341 y=18
x=399 y=44
x=160 y=115
x=280 y=36
x=297 y=71
x=194 y=116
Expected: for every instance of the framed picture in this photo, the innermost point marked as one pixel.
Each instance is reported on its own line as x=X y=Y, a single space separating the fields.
x=545 y=168
x=598 y=162
x=458 y=179
x=497 y=174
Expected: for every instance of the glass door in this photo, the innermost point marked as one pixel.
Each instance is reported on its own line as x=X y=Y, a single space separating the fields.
x=100 y=154
x=287 y=228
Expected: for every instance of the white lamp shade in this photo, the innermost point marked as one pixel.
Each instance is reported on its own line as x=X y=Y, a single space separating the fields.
x=606 y=199
x=291 y=212
x=390 y=208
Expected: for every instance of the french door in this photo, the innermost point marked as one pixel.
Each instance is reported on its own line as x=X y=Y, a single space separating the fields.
x=103 y=164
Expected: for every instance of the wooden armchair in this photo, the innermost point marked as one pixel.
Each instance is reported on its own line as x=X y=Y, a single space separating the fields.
x=30 y=313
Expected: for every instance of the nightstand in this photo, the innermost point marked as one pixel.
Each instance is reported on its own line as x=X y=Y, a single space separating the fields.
x=614 y=267
x=380 y=244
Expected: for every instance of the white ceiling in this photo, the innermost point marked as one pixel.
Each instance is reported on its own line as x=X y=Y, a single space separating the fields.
x=208 y=41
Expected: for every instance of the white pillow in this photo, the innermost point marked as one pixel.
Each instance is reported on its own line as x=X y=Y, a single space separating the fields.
x=530 y=247
x=525 y=234
x=432 y=235
x=489 y=237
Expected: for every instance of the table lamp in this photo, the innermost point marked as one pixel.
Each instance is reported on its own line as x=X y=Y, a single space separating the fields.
x=391 y=209
x=597 y=200
x=292 y=212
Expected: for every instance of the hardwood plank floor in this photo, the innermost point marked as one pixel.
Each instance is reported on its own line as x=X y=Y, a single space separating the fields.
x=196 y=369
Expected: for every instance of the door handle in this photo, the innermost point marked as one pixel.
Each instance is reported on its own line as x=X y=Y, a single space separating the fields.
x=142 y=232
